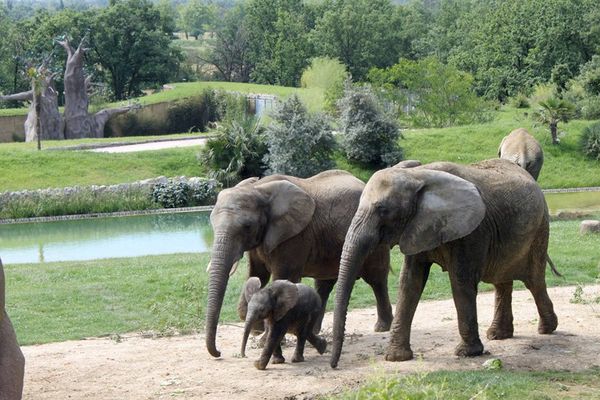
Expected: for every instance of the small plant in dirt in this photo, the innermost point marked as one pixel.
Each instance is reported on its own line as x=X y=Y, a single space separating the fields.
x=300 y=144
x=370 y=135
x=590 y=141
x=236 y=152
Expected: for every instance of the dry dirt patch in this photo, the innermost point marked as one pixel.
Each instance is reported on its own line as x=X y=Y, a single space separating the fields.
x=180 y=367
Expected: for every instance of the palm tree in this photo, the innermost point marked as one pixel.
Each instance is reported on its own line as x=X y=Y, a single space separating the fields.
x=553 y=111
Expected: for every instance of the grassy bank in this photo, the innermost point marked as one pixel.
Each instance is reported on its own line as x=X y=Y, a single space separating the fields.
x=25 y=168
x=71 y=300
x=468 y=385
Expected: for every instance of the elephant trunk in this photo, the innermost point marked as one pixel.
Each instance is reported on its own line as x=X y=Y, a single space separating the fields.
x=223 y=257
x=359 y=243
x=251 y=318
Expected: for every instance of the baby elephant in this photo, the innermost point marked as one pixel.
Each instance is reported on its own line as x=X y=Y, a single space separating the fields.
x=285 y=307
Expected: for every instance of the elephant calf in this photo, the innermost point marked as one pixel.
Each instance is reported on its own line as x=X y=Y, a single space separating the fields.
x=12 y=362
x=285 y=307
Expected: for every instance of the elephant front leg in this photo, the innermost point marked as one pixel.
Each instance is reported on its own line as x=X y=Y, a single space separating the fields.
x=464 y=292
x=502 y=325
x=273 y=345
x=412 y=282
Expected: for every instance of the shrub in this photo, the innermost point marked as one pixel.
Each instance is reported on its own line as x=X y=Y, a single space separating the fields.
x=520 y=101
x=192 y=114
x=180 y=193
x=590 y=107
x=590 y=141
x=236 y=152
x=328 y=74
x=300 y=144
x=370 y=134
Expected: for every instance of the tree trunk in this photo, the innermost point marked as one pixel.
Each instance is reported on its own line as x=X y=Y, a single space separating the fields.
x=554 y=132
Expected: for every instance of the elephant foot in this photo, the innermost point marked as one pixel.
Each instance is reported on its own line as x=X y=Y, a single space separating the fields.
x=278 y=359
x=382 y=326
x=548 y=325
x=469 y=350
x=495 y=333
x=320 y=345
x=298 y=358
x=398 y=354
x=260 y=365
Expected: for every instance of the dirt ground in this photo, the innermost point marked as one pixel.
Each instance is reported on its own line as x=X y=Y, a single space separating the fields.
x=134 y=367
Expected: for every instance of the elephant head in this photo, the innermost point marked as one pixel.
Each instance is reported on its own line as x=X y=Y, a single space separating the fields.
x=417 y=208
x=250 y=215
x=273 y=302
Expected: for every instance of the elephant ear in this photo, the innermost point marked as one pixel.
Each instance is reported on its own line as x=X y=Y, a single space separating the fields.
x=448 y=208
x=251 y=286
x=291 y=209
x=500 y=147
x=286 y=297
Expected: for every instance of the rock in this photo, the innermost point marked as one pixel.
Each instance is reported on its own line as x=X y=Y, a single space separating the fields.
x=493 y=364
x=589 y=226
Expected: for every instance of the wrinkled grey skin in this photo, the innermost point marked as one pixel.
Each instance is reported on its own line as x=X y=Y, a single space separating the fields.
x=522 y=148
x=285 y=307
x=12 y=362
x=480 y=222
x=291 y=228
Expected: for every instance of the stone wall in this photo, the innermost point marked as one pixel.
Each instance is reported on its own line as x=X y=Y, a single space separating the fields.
x=11 y=126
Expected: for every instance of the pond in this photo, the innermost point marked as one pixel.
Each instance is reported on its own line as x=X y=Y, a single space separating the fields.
x=95 y=238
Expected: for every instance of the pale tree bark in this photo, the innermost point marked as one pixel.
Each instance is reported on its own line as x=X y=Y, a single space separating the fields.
x=78 y=122
x=50 y=120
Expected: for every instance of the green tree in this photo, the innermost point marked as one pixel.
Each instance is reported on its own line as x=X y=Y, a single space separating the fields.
x=300 y=144
x=553 y=111
x=129 y=44
x=370 y=135
x=277 y=33
x=360 y=33
x=195 y=17
x=433 y=93
x=329 y=75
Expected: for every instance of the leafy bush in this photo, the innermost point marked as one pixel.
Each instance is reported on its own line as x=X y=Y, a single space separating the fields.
x=520 y=101
x=236 y=152
x=300 y=144
x=328 y=74
x=179 y=193
x=590 y=107
x=432 y=93
x=370 y=134
x=590 y=141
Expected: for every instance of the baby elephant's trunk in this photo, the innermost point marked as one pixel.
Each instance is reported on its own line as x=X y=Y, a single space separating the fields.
x=247 y=329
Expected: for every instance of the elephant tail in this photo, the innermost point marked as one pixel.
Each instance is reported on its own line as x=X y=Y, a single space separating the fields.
x=553 y=267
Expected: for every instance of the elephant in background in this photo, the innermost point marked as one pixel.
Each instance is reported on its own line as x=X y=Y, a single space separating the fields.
x=12 y=362
x=482 y=222
x=286 y=307
x=522 y=148
x=291 y=228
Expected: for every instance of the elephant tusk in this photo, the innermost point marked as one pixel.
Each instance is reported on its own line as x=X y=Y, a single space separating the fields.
x=234 y=268
x=208 y=266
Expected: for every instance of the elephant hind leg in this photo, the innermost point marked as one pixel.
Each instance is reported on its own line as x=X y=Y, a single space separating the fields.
x=548 y=320
x=502 y=325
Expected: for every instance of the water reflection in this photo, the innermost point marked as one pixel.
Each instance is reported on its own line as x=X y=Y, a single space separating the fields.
x=96 y=238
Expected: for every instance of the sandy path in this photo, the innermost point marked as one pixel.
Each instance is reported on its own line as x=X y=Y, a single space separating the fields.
x=180 y=367
x=127 y=148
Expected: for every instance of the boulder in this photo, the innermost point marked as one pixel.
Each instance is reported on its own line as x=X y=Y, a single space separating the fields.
x=589 y=226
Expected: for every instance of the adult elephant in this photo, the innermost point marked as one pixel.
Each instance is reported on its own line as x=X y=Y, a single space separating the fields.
x=522 y=148
x=12 y=362
x=291 y=228
x=481 y=222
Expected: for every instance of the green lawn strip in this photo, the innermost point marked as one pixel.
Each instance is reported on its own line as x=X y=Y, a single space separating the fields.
x=72 y=300
x=458 y=385
x=30 y=169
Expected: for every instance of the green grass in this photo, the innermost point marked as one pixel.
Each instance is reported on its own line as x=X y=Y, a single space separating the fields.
x=312 y=97
x=23 y=167
x=71 y=300
x=487 y=385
